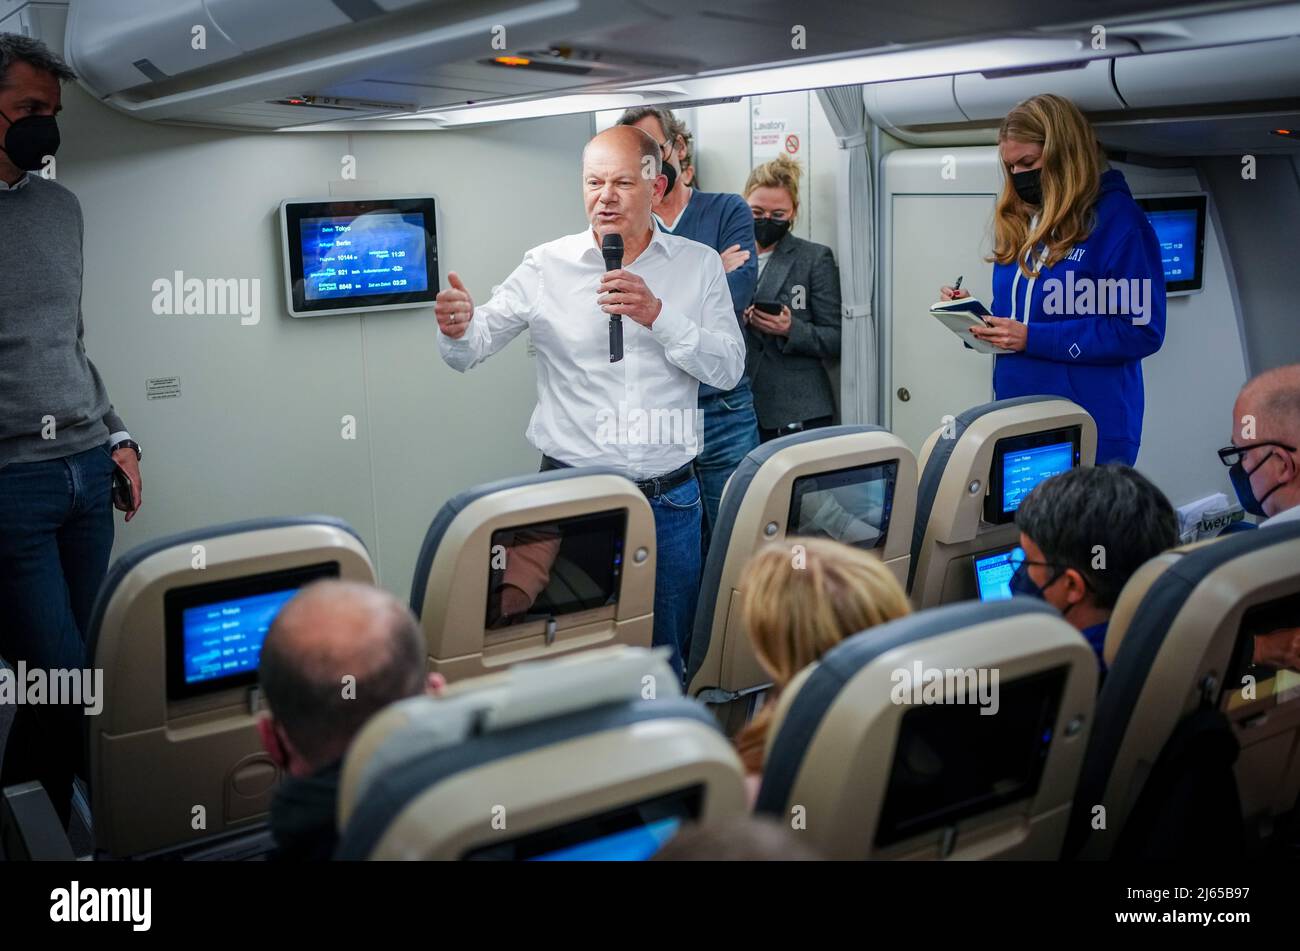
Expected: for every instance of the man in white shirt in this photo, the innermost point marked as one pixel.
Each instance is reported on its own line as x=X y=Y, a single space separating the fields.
x=1265 y=472
x=679 y=331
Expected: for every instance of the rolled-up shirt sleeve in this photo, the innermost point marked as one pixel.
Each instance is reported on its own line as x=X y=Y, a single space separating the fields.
x=497 y=322
x=709 y=345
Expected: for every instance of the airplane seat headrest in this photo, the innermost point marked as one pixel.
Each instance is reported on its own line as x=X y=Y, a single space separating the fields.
x=756 y=508
x=1178 y=641
x=549 y=744
x=182 y=703
x=584 y=537
x=936 y=463
x=527 y=692
x=836 y=735
x=953 y=522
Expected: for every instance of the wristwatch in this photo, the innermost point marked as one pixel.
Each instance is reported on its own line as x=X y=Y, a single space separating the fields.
x=129 y=444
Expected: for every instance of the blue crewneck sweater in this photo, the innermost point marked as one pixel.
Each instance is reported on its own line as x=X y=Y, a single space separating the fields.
x=720 y=220
x=1085 y=343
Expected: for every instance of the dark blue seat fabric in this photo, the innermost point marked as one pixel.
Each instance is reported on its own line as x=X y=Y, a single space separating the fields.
x=932 y=476
x=842 y=662
x=458 y=503
x=1142 y=643
x=390 y=791
x=727 y=512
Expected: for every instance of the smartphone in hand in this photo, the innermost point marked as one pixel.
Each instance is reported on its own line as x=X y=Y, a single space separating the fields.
x=123 y=490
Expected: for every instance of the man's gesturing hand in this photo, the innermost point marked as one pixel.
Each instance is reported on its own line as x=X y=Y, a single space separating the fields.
x=622 y=292
x=454 y=307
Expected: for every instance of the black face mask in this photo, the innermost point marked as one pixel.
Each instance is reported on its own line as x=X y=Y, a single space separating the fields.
x=1028 y=186
x=1240 y=477
x=768 y=231
x=31 y=138
x=670 y=171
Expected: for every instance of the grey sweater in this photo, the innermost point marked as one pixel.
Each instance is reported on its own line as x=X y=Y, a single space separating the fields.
x=44 y=371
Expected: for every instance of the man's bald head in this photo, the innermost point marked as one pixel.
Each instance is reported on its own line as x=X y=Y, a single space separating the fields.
x=622 y=178
x=1272 y=399
x=629 y=139
x=330 y=631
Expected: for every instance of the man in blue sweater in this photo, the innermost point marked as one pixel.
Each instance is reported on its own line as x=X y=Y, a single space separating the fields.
x=60 y=439
x=725 y=223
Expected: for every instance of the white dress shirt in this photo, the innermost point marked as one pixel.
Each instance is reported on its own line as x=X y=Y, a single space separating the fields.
x=1286 y=515
x=639 y=415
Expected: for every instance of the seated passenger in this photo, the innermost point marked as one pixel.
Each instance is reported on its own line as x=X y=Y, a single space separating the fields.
x=736 y=839
x=335 y=655
x=801 y=598
x=1084 y=532
x=1265 y=471
x=1265 y=468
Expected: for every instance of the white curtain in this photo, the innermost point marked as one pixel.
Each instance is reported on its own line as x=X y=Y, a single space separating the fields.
x=859 y=360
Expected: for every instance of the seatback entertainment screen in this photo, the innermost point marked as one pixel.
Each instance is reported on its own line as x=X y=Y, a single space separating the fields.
x=365 y=255
x=1022 y=462
x=214 y=632
x=848 y=505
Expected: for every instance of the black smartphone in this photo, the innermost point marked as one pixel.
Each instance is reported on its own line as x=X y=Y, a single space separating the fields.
x=768 y=306
x=123 y=494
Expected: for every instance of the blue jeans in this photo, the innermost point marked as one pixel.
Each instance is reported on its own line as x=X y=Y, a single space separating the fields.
x=730 y=432
x=56 y=535
x=678 y=565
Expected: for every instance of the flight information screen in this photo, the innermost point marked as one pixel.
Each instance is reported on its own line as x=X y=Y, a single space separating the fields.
x=1021 y=462
x=993 y=574
x=362 y=255
x=1176 y=232
x=1023 y=470
x=375 y=253
x=1179 y=224
x=214 y=632
x=225 y=638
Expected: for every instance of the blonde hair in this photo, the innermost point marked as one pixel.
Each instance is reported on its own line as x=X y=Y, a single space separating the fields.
x=1071 y=182
x=798 y=600
x=781 y=172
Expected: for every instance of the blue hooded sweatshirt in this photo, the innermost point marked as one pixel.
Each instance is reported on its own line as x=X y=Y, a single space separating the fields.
x=1092 y=317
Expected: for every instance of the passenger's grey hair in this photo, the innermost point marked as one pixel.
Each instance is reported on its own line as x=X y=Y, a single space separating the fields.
x=16 y=48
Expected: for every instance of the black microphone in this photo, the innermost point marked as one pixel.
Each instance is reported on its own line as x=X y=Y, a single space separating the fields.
x=611 y=247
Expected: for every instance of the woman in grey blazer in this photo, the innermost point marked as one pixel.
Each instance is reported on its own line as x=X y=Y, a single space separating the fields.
x=786 y=348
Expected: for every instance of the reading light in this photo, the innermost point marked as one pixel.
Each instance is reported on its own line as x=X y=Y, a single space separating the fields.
x=512 y=60
x=1285 y=133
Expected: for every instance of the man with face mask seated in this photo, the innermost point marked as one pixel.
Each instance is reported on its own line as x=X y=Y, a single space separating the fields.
x=1083 y=534
x=1265 y=471
x=336 y=654
x=1264 y=467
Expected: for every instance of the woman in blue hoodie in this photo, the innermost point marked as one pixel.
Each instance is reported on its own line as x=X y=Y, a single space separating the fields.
x=1077 y=269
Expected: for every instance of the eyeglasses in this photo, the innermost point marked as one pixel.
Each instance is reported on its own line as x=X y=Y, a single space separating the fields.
x=1231 y=455
x=1017 y=559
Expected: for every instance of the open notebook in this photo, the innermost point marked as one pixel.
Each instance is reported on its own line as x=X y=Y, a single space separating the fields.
x=959 y=316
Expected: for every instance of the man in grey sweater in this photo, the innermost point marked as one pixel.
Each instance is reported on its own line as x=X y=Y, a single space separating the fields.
x=60 y=440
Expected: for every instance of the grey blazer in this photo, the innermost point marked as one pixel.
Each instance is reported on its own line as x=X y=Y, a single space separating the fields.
x=789 y=381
